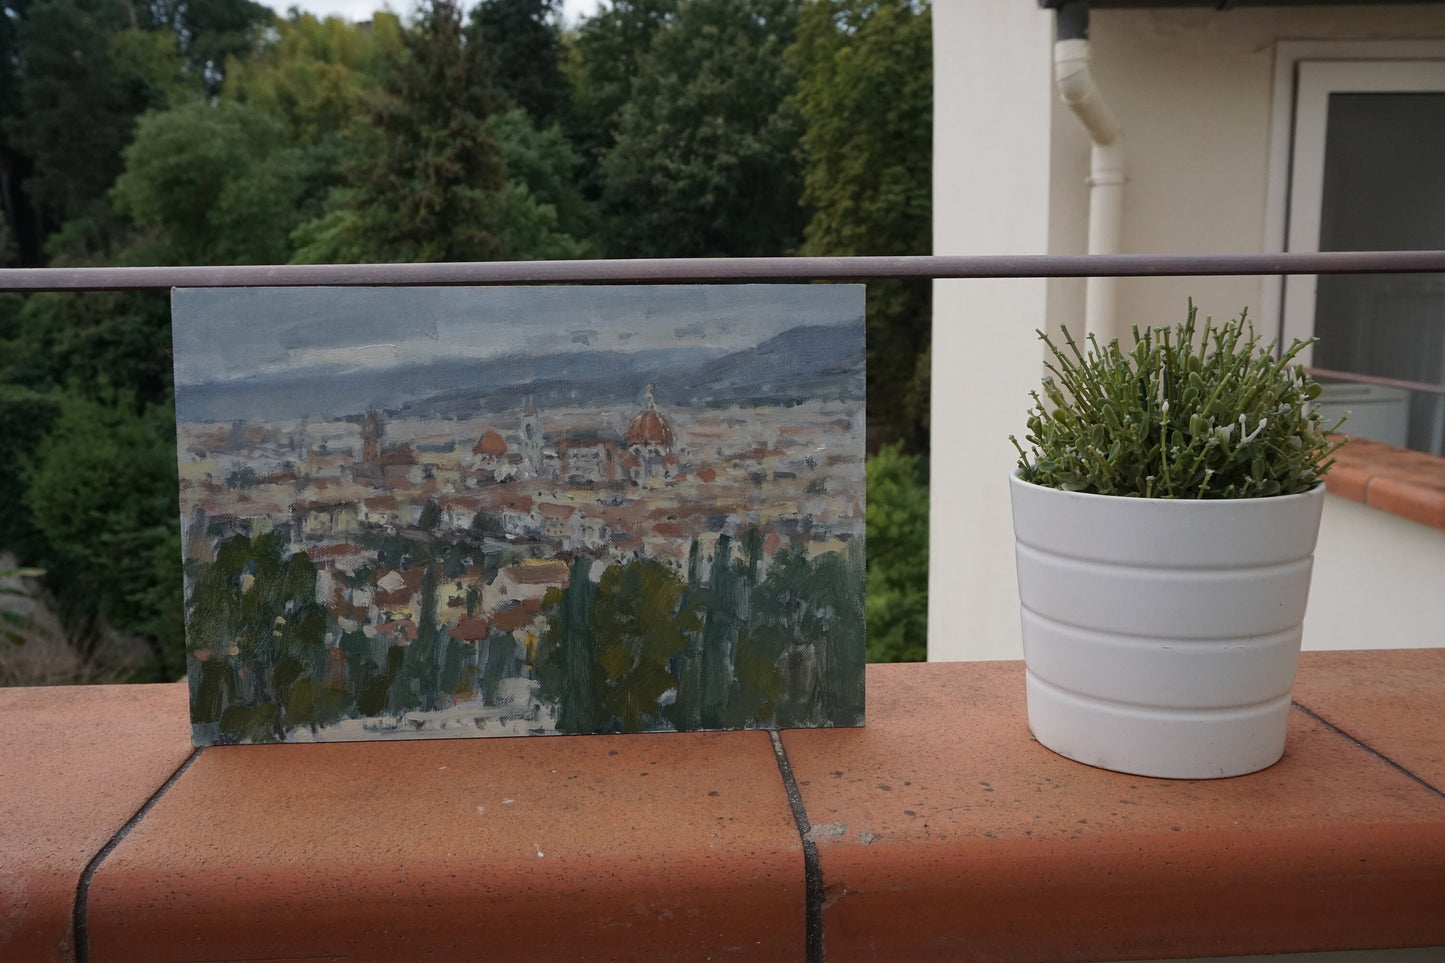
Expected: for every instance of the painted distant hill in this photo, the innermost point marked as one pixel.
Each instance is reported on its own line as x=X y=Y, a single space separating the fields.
x=813 y=361
x=806 y=362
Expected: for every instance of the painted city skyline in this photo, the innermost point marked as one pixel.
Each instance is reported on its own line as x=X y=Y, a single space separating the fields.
x=419 y=513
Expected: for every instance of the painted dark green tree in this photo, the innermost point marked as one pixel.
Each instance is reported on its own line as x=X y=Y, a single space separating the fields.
x=567 y=668
x=764 y=637
x=367 y=680
x=686 y=709
x=431 y=517
x=426 y=652
x=807 y=618
x=257 y=640
x=503 y=652
x=835 y=617
x=722 y=603
x=459 y=675
x=640 y=627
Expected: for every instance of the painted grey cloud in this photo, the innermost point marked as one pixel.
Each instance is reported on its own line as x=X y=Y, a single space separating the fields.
x=228 y=334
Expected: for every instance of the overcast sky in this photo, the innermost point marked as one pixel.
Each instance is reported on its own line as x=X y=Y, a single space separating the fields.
x=572 y=10
x=231 y=333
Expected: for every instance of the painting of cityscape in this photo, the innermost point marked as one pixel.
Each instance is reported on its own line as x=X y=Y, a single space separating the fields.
x=461 y=512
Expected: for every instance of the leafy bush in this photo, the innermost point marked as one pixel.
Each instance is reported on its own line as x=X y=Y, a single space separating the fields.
x=897 y=601
x=1184 y=414
x=101 y=489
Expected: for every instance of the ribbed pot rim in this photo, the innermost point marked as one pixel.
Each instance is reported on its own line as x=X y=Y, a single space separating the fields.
x=1095 y=496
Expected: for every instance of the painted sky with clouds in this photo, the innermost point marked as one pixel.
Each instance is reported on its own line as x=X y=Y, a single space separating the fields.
x=225 y=334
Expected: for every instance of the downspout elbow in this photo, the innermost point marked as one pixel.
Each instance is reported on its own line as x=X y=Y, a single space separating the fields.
x=1074 y=78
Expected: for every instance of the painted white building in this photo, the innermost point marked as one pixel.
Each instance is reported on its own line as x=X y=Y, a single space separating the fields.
x=1226 y=119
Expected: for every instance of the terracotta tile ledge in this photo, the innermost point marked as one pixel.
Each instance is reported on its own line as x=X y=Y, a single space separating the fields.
x=939 y=831
x=1407 y=483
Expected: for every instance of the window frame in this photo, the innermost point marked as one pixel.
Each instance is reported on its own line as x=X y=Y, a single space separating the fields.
x=1281 y=206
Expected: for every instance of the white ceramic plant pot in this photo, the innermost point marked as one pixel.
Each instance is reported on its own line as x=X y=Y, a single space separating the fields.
x=1161 y=636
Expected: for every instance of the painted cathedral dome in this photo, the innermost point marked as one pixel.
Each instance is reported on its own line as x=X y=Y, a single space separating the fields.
x=490 y=443
x=650 y=427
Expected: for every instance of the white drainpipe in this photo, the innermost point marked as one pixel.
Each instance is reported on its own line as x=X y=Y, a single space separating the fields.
x=1106 y=177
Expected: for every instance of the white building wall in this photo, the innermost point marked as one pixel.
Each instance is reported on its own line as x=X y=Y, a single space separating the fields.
x=1193 y=90
x=991 y=192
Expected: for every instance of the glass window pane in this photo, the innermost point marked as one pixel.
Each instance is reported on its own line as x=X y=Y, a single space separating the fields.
x=1384 y=189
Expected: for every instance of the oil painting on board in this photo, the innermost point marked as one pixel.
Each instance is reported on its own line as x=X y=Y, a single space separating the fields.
x=462 y=512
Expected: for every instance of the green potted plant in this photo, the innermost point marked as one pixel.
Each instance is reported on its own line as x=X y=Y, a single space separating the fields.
x=1165 y=517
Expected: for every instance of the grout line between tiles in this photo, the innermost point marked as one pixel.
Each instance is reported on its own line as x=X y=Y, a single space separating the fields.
x=82 y=889
x=1368 y=748
x=812 y=867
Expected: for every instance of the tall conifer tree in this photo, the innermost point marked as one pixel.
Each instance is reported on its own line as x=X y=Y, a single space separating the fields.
x=429 y=189
x=524 y=39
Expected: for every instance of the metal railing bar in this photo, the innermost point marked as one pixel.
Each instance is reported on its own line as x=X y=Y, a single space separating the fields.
x=689 y=270
x=1383 y=382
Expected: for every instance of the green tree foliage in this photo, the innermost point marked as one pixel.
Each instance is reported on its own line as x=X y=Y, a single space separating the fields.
x=209 y=33
x=705 y=157
x=316 y=75
x=317 y=79
x=524 y=38
x=211 y=132
x=866 y=89
x=25 y=419
x=438 y=173
x=219 y=184
x=102 y=493
x=77 y=74
x=90 y=497
x=606 y=60
x=77 y=104
x=554 y=219
x=16 y=625
x=228 y=180
x=897 y=557
x=20 y=240
x=90 y=341
x=427 y=189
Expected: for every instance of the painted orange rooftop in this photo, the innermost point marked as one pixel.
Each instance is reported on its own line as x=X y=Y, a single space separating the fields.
x=940 y=830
